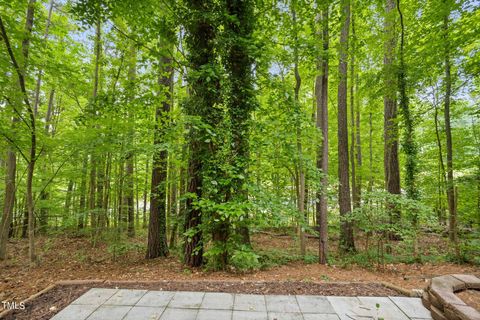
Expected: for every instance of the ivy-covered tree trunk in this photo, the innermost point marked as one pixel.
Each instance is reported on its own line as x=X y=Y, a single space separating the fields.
x=241 y=101
x=157 y=228
x=321 y=95
x=200 y=41
x=346 y=228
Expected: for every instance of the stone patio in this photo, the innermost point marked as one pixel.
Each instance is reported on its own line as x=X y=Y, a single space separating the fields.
x=127 y=304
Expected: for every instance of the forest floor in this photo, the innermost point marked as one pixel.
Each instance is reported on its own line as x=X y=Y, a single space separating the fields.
x=74 y=258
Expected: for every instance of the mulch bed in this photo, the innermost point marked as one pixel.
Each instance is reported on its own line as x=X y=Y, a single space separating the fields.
x=51 y=302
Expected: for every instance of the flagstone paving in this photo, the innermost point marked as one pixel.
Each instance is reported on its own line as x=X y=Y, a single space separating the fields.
x=127 y=304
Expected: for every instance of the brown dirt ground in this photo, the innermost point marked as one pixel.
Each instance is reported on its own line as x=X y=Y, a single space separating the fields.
x=470 y=297
x=67 y=258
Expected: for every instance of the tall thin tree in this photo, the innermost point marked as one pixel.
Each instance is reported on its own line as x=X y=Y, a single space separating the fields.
x=321 y=96
x=346 y=230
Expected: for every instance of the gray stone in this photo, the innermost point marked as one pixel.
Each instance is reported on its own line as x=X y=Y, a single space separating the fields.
x=348 y=308
x=179 y=314
x=249 y=302
x=210 y=314
x=314 y=304
x=217 y=300
x=249 y=315
x=386 y=308
x=471 y=281
x=277 y=303
x=185 y=299
x=144 y=313
x=317 y=316
x=284 y=316
x=125 y=297
x=412 y=307
x=75 y=312
x=156 y=299
x=95 y=296
x=109 y=313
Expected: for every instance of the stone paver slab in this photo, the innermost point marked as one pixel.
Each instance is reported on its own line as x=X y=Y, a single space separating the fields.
x=185 y=299
x=250 y=302
x=316 y=316
x=284 y=316
x=179 y=314
x=95 y=296
x=75 y=311
x=144 y=313
x=209 y=314
x=386 y=308
x=314 y=304
x=471 y=281
x=126 y=297
x=412 y=307
x=156 y=299
x=249 y=315
x=279 y=303
x=348 y=308
x=217 y=300
x=109 y=313
x=114 y=304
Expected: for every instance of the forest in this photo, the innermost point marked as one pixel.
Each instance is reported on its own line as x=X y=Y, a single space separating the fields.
x=239 y=135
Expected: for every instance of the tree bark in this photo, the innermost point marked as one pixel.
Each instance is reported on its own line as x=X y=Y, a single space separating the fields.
x=129 y=158
x=44 y=194
x=355 y=195
x=8 y=201
x=452 y=209
x=390 y=133
x=346 y=228
x=298 y=130
x=157 y=228
x=321 y=95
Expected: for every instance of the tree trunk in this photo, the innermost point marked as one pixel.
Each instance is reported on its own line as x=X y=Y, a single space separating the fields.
x=370 y=153
x=157 y=228
x=129 y=158
x=390 y=133
x=44 y=194
x=83 y=190
x=298 y=130
x=452 y=226
x=200 y=42
x=346 y=228
x=8 y=201
x=355 y=195
x=321 y=95
x=408 y=143
x=145 y=192
x=358 y=148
